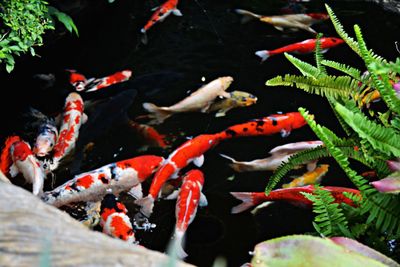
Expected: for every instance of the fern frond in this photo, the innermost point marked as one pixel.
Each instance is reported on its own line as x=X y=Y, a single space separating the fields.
x=386 y=140
x=353 y=72
x=318 y=55
x=395 y=122
x=329 y=86
x=330 y=220
x=305 y=68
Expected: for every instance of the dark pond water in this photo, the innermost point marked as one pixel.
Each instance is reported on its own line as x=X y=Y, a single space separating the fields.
x=208 y=41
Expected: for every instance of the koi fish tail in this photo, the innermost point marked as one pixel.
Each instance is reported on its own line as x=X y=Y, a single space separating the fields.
x=248 y=201
x=263 y=54
x=237 y=165
x=159 y=113
x=147 y=204
x=247 y=15
x=179 y=243
x=5 y=158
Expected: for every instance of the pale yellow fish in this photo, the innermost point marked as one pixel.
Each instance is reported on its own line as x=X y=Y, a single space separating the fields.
x=237 y=99
x=199 y=101
x=311 y=177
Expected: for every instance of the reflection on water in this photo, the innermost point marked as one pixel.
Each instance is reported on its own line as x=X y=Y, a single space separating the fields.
x=207 y=41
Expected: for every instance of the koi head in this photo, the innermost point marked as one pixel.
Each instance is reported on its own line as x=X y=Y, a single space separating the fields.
x=144 y=165
x=46 y=140
x=194 y=175
x=243 y=99
x=109 y=205
x=318 y=16
x=77 y=80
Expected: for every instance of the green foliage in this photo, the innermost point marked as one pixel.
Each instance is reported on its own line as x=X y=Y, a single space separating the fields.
x=64 y=19
x=22 y=26
x=371 y=137
x=330 y=220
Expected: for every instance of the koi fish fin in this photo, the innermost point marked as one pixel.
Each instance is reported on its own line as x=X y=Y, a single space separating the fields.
x=159 y=113
x=4 y=178
x=177 y=12
x=247 y=15
x=173 y=195
x=84 y=118
x=279 y=28
x=222 y=112
x=136 y=191
x=199 y=161
x=155 y=8
x=179 y=243
x=394 y=165
x=261 y=206
x=144 y=37
x=238 y=166
x=263 y=54
x=13 y=170
x=225 y=94
x=203 y=200
x=285 y=133
x=37 y=185
x=147 y=204
x=248 y=201
x=324 y=50
x=312 y=165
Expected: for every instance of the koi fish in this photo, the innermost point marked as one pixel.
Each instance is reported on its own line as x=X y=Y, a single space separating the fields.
x=114 y=219
x=275 y=123
x=236 y=99
x=293 y=22
x=280 y=154
x=311 y=177
x=190 y=151
x=200 y=100
x=149 y=134
x=189 y=198
x=93 y=185
x=73 y=117
x=304 y=47
x=46 y=139
x=160 y=13
x=77 y=80
x=118 y=77
x=291 y=195
x=17 y=157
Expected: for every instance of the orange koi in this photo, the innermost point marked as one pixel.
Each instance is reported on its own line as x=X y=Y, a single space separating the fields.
x=149 y=134
x=304 y=47
x=160 y=13
x=114 y=219
x=189 y=198
x=311 y=177
x=190 y=151
x=120 y=176
x=17 y=157
x=291 y=195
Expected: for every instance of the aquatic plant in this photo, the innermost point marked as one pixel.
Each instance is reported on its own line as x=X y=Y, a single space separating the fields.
x=371 y=136
x=23 y=24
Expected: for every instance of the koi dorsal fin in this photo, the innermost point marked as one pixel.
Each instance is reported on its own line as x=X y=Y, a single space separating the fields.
x=5 y=158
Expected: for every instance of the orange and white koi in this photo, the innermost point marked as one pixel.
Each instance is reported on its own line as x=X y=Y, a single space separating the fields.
x=190 y=151
x=275 y=123
x=17 y=157
x=120 y=176
x=200 y=100
x=311 y=177
x=114 y=219
x=160 y=13
x=235 y=100
x=99 y=83
x=151 y=136
x=280 y=154
x=189 y=198
x=73 y=117
x=304 y=47
x=291 y=195
x=293 y=22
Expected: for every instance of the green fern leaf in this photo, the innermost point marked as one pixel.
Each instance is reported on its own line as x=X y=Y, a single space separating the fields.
x=353 y=72
x=305 y=68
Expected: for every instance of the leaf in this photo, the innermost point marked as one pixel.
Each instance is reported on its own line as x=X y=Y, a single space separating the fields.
x=64 y=19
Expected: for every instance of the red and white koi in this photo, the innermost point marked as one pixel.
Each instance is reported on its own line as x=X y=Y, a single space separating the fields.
x=199 y=100
x=293 y=22
x=120 y=176
x=310 y=177
x=17 y=157
x=276 y=123
x=77 y=80
x=291 y=195
x=280 y=154
x=114 y=219
x=304 y=47
x=46 y=138
x=189 y=198
x=190 y=151
x=160 y=13
x=118 y=77
x=73 y=117
x=150 y=135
